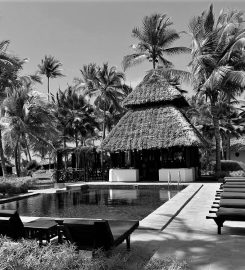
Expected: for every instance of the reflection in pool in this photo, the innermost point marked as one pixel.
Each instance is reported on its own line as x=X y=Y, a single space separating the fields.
x=94 y=203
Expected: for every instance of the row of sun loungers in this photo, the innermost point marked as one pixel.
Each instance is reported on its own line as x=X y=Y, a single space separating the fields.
x=86 y=234
x=229 y=202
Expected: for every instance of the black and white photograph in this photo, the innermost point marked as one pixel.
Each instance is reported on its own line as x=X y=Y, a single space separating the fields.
x=122 y=135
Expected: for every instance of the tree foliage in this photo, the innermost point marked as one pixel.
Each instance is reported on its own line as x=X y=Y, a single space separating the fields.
x=155 y=40
x=215 y=46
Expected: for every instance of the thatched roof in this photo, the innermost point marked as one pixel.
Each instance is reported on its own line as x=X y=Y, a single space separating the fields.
x=238 y=144
x=155 y=91
x=151 y=128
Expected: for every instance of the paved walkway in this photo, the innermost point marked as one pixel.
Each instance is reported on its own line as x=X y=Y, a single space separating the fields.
x=190 y=236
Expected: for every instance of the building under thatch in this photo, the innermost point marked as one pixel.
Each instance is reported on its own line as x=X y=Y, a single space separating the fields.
x=154 y=133
x=79 y=164
x=237 y=148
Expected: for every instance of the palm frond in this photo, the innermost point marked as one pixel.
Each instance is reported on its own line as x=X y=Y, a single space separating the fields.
x=133 y=59
x=236 y=78
x=209 y=21
x=177 y=50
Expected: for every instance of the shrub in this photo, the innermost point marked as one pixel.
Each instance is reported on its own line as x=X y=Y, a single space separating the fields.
x=230 y=165
x=15 y=185
x=27 y=255
x=32 y=165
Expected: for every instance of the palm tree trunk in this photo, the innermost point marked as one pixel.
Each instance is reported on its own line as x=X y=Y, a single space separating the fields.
x=154 y=64
x=217 y=138
x=76 y=140
x=228 y=143
x=222 y=140
x=103 y=137
x=16 y=157
x=27 y=147
x=228 y=147
x=64 y=141
x=48 y=88
x=4 y=170
x=154 y=58
x=49 y=160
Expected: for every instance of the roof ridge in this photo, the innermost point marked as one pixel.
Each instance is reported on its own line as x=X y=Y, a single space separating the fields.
x=154 y=89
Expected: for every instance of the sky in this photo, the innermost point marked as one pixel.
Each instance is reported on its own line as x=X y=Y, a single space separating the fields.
x=80 y=32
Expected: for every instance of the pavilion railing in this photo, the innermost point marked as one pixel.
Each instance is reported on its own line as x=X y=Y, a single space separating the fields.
x=76 y=175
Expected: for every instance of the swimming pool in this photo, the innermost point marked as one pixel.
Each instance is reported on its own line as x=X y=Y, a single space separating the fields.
x=107 y=203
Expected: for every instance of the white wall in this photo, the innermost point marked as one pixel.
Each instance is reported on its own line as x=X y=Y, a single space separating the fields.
x=240 y=158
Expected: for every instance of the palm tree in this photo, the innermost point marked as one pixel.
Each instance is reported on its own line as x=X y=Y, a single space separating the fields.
x=9 y=67
x=26 y=120
x=200 y=116
x=154 y=37
x=51 y=68
x=213 y=44
x=75 y=116
x=107 y=88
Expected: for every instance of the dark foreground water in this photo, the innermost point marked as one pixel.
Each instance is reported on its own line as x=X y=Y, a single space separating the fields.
x=94 y=203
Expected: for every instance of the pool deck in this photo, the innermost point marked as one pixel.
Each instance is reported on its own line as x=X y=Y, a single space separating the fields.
x=179 y=228
x=193 y=238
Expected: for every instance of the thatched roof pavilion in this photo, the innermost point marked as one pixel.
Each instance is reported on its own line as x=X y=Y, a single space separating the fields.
x=155 y=125
x=152 y=128
x=154 y=120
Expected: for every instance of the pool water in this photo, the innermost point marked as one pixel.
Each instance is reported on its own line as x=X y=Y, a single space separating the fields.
x=104 y=203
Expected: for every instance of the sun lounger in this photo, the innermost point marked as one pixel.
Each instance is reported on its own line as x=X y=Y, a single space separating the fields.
x=234 y=179
x=90 y=234
x=11 y=224
x=232 y=195
x=230 y=203
x=227 y=214
x=231 y=189
x=231 y=185
x=234 y=183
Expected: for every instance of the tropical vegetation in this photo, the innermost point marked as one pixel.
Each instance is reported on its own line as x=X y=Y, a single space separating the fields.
x=51 y=68
x=10 y=186
x=155 y=38
x=75 y=116
x=217 y=65
x=106 y=85
x=91 y=105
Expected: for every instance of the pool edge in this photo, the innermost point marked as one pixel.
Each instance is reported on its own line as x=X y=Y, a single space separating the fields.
x=163 y=215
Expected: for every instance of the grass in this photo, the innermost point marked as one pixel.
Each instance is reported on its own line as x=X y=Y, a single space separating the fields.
x=27 y=255
x=168 y=263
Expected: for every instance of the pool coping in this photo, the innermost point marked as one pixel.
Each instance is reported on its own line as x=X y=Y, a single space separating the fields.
x=18 y=197
x=133 y=185
x=163 y=215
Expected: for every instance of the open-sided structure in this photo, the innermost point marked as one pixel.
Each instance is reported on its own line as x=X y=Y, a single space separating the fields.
x=79 y=164
x=154 y=134
x=238 y=148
